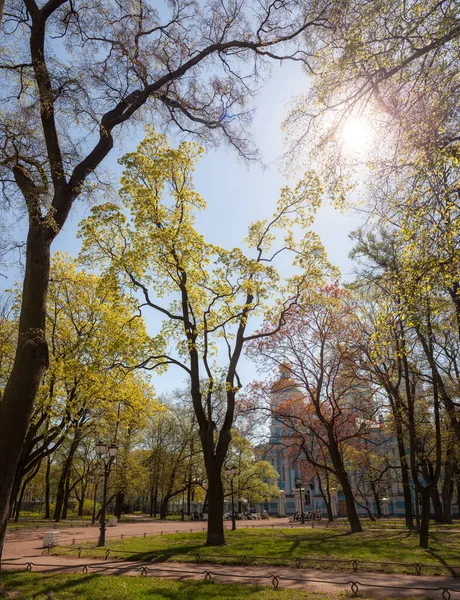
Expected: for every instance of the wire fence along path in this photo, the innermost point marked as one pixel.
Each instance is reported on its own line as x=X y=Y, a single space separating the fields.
x=276 y=579
x=417 y=568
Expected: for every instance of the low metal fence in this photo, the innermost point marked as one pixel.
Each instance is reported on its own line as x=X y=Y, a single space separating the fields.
x=275 y=579
x=415 y=568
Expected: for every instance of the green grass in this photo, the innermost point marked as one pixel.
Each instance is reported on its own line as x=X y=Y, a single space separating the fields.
x=37 y=521
x=116 y=587
x=277 y=545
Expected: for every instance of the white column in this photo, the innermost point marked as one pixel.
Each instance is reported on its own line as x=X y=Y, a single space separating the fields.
x=297 y=498
x=282 y=504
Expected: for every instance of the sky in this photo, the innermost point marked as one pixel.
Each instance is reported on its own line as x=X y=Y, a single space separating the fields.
x=236 y=193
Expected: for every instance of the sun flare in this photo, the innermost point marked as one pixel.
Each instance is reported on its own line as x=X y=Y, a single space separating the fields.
x=356 y=135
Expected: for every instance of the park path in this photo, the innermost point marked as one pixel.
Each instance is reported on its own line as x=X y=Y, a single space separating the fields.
x=27 y=542
x=25 y=546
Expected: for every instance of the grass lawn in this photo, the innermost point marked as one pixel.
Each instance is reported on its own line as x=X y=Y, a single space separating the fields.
x=277 y=545
x=115 y=587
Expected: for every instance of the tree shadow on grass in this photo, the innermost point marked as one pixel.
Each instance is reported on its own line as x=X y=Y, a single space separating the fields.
x=455 y=572
x=164 y=555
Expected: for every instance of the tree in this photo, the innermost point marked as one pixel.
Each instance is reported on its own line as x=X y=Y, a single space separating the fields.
x=92 y=326
x=326 y=404
x=255 y=479
x=117 y=62
x=392 y=62
x=154 y=249
x=405 y=327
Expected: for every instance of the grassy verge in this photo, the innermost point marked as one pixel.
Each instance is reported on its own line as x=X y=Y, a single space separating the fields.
x=85 y=521
x=97 y=587
x=313 y=546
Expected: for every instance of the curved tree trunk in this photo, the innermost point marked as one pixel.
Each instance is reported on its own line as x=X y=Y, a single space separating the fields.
x=30 y=362
x=63 y=479
x=326 y=495
x=342 y=476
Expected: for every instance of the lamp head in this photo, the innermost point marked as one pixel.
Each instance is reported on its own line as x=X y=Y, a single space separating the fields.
x=113 y=450
x=101 y=448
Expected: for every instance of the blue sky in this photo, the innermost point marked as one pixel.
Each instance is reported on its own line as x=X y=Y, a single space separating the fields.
x=238 y=193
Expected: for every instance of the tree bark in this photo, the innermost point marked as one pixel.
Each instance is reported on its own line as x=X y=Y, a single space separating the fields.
x=425 y=517
x=326 y=494
x=30 y=362
x=164 y=507
x=81 y=503
x=448 y=483
x=65 y=473
x=215 y=535
x=396 y=406
x=378 y=507
x=119 y=498
x=437 y=506
x=47 y=488
x=18 y=504
x=342 y=476
x=23 y=489
x=65 y=503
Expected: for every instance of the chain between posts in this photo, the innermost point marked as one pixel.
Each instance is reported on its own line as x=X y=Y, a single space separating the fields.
x=275 y=579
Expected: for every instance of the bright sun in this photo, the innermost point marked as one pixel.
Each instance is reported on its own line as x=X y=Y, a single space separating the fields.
x=356 y=135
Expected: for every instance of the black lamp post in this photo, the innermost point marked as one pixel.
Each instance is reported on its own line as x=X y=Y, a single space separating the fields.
x=298 y=484
x=95 y=479
x=231 y=472
x=107 y=455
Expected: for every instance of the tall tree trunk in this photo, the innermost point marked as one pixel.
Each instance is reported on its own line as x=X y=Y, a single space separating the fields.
x=378 y=506
x=214 y=457
x=425 y=520
x=26 y=482
x=396 y=405
x=189 y=499
x=30 y=362
x=342 y=476
x=18 y=504
x=61 y=489
x=47 y=488
x=448 y=483
x=164 y=507
x=437 y=506
x=81 y=500
x=119 y=499
x=417 y=509
x=326 y=495
x=216 y=536
x=447 y=493
x=65 y=503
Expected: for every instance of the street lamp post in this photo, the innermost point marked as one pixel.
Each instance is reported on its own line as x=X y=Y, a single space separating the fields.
x=95 y=479
x=107 y=455
x=298 y=484
x=231 y=472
